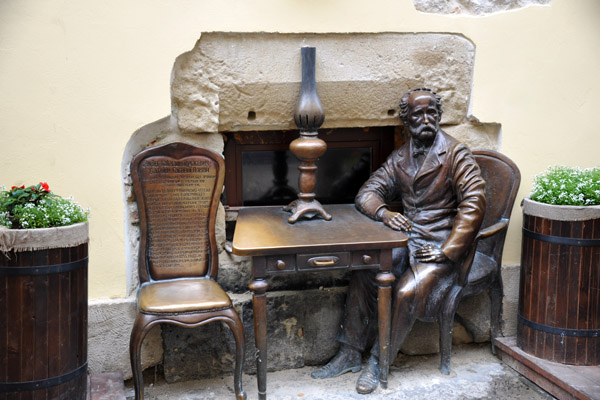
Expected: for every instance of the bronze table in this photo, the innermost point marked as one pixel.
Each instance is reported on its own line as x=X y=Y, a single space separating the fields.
x=350 y=240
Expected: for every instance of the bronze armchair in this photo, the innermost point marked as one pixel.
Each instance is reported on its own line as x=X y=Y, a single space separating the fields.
x=481 y=268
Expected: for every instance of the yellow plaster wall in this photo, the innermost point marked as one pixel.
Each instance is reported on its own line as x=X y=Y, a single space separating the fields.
x=77 y=78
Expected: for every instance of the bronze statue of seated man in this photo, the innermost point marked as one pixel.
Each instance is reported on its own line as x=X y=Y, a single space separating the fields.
x=441 y=190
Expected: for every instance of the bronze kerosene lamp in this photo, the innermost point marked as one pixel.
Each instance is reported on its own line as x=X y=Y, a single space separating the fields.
x=308 y=116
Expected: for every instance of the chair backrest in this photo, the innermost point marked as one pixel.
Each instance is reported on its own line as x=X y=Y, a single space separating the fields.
x=177 y=188
x=502 y=180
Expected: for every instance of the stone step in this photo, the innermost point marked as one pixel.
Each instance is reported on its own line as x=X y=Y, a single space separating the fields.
x=560 y=380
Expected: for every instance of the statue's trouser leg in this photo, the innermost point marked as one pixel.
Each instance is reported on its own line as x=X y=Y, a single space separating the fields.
x=360 y=314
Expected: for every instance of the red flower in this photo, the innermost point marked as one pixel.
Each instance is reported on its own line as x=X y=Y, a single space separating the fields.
x=15 y=187
x=45 y=186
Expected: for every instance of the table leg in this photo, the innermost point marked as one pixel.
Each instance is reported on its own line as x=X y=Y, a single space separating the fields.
x=385 y=279
x=259 y=305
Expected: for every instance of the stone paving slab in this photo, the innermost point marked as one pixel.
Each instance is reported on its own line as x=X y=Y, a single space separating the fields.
x=106 y=386
x=475 y=374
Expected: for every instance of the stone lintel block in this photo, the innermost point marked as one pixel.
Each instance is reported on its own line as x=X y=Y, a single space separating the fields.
x=360 y=77
x=109 y=328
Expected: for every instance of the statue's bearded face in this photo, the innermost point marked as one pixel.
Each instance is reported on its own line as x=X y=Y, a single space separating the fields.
x=423 y=117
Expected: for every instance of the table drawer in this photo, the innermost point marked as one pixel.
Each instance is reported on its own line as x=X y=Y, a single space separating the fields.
x=281 y=263
x=365 y=258
x=323 y=261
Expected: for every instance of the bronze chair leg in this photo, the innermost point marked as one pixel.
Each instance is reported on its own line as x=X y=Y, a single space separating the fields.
x=446 y=322
x=237 y=328
x=496 y=293
x=139 y=330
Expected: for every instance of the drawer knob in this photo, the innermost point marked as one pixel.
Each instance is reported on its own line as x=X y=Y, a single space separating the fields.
x=367 y=259
x=280 y=264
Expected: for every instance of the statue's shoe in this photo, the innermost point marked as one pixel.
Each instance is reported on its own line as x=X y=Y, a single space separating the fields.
x=340 y=364
x=369 y=378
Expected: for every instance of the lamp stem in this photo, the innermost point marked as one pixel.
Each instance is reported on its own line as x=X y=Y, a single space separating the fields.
x=308 y=116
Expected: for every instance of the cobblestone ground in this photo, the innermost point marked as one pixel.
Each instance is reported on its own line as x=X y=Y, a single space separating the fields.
x=475 y=374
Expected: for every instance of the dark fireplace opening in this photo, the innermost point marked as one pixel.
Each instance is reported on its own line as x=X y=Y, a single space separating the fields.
x=260 y=170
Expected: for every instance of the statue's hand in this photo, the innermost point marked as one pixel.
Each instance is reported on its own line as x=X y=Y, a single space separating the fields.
x=429 y=253
x=396 y=221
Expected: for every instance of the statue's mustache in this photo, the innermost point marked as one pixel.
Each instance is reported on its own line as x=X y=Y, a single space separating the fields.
x=426 y=127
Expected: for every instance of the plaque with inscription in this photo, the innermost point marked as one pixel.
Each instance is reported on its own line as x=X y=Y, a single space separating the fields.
x=178 y=193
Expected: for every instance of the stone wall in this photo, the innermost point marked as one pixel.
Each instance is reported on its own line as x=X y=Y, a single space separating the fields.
x=360 y=79
x=302 y=330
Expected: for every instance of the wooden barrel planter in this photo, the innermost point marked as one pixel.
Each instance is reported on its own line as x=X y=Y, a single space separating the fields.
x=559 y=299
x=43 y=313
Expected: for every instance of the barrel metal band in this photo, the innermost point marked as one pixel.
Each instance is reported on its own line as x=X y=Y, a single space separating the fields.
x=42 y=383
x=559 y=331
x=560 y=239
x=44 y=269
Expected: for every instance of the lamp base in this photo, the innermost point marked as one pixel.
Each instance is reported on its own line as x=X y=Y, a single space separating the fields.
x=302 y=209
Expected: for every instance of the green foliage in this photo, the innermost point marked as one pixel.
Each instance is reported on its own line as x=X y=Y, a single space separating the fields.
x=37 y=207
x=567 y=186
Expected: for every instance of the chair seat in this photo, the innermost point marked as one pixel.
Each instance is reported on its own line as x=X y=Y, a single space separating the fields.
x=182 y=295
x=483 y=266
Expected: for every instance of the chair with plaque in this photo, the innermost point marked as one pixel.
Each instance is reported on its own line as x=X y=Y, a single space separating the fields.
x=177 y=188
x=481 y=268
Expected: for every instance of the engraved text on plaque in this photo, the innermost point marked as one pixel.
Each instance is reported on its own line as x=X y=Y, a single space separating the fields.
x=177 y=196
